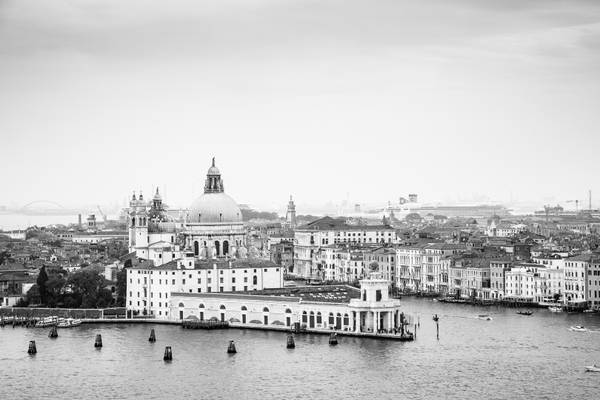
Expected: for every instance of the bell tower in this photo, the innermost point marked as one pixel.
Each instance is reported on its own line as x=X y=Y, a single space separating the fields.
x=138 y=226
x=290 y=216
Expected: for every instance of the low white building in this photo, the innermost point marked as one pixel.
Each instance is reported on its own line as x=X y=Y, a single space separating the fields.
x=368 y=310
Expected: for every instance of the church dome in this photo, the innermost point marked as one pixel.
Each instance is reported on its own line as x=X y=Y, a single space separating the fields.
x=214 y=207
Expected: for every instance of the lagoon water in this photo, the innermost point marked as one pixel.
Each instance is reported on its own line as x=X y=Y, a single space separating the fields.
x=509 y=357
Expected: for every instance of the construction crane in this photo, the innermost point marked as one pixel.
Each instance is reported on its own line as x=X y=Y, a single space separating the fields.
x=576 y=204
x=101 y=213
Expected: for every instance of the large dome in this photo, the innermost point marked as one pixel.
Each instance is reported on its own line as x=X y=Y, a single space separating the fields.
x=214 y=208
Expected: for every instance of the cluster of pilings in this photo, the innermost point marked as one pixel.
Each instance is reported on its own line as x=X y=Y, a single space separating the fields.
x=18 y=321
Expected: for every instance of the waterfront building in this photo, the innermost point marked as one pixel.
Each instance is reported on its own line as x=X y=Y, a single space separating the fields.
x=150 y=287
x=409 y=261
x=524 y=282
x=575 y=279
x=498 y=270
x=325 y=231
x=593 y=284
x=368 y=309
x=434 y=267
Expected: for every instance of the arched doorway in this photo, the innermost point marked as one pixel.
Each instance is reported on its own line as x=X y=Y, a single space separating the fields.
x=288 y=317
x=244 y=311
x=311 y=319
x=181 y=305
x=218 y=247
x=225 y=247
x=222 y=308
x=266 y=315
x=196 y=248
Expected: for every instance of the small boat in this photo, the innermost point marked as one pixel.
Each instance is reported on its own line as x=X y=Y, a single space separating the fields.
x=524 y=312
x=592 y=368
x=589 y=311
x=578 y=328
x=68 y=323
x=554 y=309
x=46 y=322
x=484 y=317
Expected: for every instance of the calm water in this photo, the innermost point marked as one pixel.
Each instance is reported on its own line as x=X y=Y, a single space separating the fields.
x=509 y=357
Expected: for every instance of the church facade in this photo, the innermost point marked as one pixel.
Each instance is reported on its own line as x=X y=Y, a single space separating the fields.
x=213 y=227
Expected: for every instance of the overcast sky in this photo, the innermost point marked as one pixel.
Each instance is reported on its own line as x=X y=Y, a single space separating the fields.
x=323 y=99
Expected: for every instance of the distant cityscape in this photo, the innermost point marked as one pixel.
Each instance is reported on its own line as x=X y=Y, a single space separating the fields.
x=471 y=254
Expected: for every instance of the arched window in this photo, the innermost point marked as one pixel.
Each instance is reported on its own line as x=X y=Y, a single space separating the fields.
x=266 y=309
x=201 y=305
x=346 y=320
x=331 y=319
x=144 y=224
x=255 y=280
x=181 y=305
x=319 y=318
x=225 y=247
x=196 y=248
x=221 y=307
x=288 y=311
x=218 y=247
x=312 y=313
x=133 y=221
x=244 y=308
x=304 y=317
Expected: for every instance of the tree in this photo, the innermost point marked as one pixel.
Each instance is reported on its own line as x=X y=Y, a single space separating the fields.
x=121 y=287
x=41 y=283
x=88 y=284
x=54 y=289
x=33 y=295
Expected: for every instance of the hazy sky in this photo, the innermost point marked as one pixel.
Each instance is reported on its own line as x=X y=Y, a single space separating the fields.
x=449 y=99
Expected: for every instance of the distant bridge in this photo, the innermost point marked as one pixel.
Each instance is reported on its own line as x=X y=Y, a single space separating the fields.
x=39 y=207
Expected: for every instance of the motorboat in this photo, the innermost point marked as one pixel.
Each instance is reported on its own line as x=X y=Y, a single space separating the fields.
x=555 y=309
x=68 y=323
x=578 y=328
x=484 y=317
x=592 y=368
x=525 y=312
x=46 y=322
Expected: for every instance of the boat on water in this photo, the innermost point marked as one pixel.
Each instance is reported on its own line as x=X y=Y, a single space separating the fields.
x=46 y=322
x=68 y=323
x=525 y=312
x=554 y=309
x=592 y=368
x=578 y=328
x=484 y=317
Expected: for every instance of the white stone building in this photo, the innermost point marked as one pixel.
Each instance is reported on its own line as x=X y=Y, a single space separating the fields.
x=149 y=287
x=344 y=308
